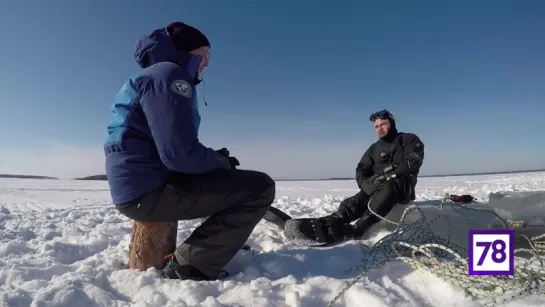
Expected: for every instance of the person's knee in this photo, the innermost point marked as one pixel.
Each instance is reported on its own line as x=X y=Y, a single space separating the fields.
x=353 y=207
x=387 y=187
x=395 y=192
x=385 y=197
x=268 y=187
x=260 y=186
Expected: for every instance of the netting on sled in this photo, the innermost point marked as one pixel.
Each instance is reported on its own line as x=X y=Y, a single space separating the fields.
x=434 y=238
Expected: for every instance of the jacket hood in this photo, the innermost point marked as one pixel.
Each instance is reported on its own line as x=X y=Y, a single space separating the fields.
x=157 y=47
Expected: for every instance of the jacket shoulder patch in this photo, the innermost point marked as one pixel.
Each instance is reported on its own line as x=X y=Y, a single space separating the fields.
x=181 y=87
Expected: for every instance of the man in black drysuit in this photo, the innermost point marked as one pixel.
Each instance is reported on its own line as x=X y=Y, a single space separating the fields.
x=386 y=175
x=157 y=168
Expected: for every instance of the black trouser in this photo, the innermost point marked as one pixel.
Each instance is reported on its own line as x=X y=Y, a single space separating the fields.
x=382 y=200
x=234 y=202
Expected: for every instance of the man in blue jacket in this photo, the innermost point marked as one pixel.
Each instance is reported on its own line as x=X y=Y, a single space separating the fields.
x=159 y=171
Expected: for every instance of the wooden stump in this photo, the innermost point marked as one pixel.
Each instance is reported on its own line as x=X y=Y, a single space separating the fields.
x=150 y=243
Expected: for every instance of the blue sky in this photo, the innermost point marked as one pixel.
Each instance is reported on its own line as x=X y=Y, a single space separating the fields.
x=290 y=85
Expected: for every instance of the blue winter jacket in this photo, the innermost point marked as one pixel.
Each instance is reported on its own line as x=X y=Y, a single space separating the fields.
x=155 y=122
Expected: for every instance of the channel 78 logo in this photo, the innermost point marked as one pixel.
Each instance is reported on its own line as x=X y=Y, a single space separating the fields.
x=491 y=252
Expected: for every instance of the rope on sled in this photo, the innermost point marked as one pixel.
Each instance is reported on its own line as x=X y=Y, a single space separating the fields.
x=416 y=244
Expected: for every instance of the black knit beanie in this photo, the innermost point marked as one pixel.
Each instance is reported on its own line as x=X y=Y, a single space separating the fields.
x=185 y=37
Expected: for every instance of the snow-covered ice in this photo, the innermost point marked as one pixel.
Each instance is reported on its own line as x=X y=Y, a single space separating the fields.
x=63 y=244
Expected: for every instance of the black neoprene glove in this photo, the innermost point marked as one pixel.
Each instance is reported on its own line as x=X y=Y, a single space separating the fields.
x=378 y=178
x=368 y=185
x=402 y=170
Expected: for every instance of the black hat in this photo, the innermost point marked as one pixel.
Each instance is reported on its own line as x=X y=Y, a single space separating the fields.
x=382 y=114
x=185 y=37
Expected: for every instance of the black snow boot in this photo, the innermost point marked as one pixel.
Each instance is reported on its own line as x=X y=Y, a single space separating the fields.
x=365 y=223
x=334 y=219
x=338 y=232
x=184 y=271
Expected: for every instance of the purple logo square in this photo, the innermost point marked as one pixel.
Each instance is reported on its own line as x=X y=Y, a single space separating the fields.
x=491 y=252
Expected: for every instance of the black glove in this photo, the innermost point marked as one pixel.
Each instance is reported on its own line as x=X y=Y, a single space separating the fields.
x=223 y=152
x=402 y=170
x=234 y=162
x=378 y=178
x=370 y=184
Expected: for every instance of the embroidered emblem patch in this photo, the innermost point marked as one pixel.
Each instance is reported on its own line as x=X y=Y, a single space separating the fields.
x=181 y=87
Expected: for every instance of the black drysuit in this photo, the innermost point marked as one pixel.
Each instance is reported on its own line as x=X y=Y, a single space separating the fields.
x=403 y=153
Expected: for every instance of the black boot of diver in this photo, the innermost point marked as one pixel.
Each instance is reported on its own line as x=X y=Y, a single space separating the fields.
x=363 y=224
x=337 y=231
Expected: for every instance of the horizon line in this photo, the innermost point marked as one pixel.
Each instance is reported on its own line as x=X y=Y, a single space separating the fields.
x=23 y=176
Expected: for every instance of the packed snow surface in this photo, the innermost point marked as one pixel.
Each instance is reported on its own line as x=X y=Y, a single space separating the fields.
x=62 y=243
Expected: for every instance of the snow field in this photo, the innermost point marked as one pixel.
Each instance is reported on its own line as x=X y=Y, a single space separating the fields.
x=63 y=244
